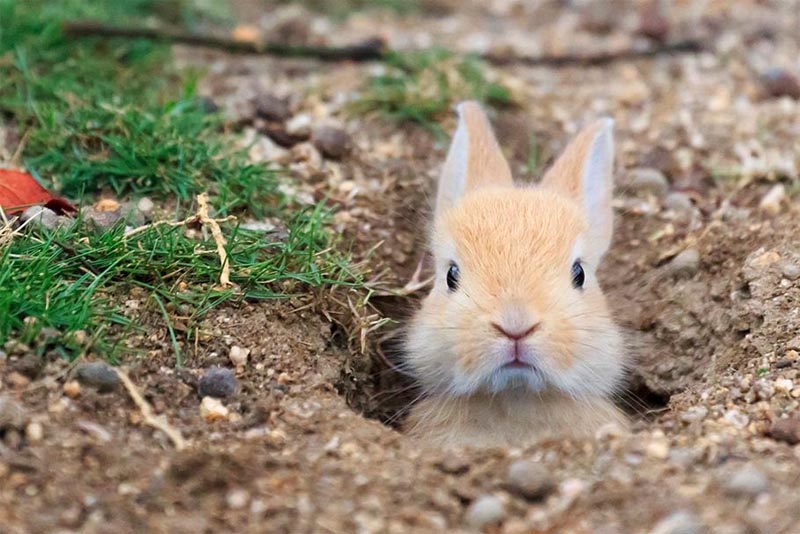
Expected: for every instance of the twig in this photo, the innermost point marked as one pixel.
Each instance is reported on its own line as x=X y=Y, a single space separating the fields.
x=370 y=50
x=602 y=58
x=216 y=232
x=159 y=422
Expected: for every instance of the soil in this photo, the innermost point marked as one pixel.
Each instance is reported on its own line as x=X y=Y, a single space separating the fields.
x=714 y=392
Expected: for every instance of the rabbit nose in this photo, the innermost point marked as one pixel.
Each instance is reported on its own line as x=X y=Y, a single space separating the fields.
x=516 y=335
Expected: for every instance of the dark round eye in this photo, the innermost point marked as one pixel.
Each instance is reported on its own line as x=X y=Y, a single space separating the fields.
x=578 y=276
x=452 y=277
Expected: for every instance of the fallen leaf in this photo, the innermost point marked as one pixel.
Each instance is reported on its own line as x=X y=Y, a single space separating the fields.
x=19 y=190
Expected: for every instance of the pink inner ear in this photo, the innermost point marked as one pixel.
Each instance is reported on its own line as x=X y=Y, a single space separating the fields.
x=486 y=164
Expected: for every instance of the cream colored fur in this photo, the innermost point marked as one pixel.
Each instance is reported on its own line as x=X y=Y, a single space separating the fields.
x=514 y=247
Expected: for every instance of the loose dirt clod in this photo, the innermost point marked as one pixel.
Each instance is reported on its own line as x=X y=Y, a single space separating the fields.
x=217 y=382
x=98 y=375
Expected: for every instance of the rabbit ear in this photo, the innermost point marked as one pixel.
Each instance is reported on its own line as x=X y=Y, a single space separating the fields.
x=584 y=172
x=474 y=159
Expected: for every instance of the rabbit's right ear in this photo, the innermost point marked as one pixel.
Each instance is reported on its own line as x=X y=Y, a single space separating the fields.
x=474 y=159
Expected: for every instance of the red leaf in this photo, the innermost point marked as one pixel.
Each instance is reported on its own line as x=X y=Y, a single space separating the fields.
x=19 y=190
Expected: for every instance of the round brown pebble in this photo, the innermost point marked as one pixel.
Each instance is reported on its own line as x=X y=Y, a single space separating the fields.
x=529 y=479
x=332 y=142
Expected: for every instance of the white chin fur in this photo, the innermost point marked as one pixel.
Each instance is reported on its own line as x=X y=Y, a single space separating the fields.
x=515 y=378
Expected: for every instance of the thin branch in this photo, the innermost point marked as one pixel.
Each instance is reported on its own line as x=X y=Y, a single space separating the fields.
x=370 y=50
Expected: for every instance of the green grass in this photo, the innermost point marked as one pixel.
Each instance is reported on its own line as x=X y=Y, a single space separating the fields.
x=116 y=117
x=340 y=9
x=423 y=86
x=73 y=279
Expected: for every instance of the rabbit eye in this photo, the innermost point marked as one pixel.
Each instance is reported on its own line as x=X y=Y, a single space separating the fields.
x=578 y=276
x=452 y=277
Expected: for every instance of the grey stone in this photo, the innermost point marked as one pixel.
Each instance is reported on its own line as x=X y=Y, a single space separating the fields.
x=679 y=522
x=747 y=481
x=98 y=375
x=44 y=217
x=646 y=180
x=217 y=382
x=485 y=510
x=529 y=479
x=686 y=263
x=332 y=142
x=12 y=414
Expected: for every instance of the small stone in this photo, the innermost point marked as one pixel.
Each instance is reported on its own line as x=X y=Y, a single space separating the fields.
x=747 y=481
x=101 y=220
x=736 y=418
x=107 y=204
x=778 y=82
x=686 y=263
x=213 y=410
x=72 y=389
x=786 y=430
x=658 y=449
x=12 y=414
x=299 y=125
x=694 y=414
x=34 y=432
x=678 y=202
x=237 y=499
x=454 y=464
x=485 y=510
x=646 y=180
x=239 y=355
x=772 y=202
x=529 y=479
x=272 y=108
x=332 y=142
x=98 y=375
x=17 y=379
x=790 y=270
x=41 y=216
x=680 y=522
x=145 y=206
x=784 y=385
x=764 y=389
x=217 y=382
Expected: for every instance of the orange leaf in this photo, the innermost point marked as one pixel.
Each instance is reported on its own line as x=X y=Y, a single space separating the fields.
x=19 y=190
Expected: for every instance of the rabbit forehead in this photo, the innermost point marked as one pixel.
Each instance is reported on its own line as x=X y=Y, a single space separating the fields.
x=511 y=232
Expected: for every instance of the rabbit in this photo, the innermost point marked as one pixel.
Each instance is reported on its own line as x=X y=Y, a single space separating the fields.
x=514 y=343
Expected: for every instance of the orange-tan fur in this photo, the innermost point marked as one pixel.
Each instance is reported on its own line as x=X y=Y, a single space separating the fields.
x=514 y=246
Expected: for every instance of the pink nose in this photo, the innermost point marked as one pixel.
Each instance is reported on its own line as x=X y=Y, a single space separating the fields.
x=516 y=336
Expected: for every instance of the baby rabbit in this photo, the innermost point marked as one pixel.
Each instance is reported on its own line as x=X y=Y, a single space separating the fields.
x=515 y=344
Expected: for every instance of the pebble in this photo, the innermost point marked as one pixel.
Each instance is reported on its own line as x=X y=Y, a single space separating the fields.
x=239 y=355
x=686 y=263
x=299 y=125
x=790 y=270
x=237 y=499
x=259 y=226
x=217 y=382
x=107 y=204
x=786 y=430
x=485 y=510
x=658 y=449
x=98 y=375
x=678 y=202
x=694 y=414
x=784 y=385
x=145 y=206
x=736 y=418
x=101 y=220
x=772 y=202
x=778 y=82
x=529 y=479
x=453 y=464
x=331 y=141
x=272 y=108
x=34 y=432
x=679 y=522
x=72 y=389
x=646 y=180
x=43 y=217
x=12 y=414
x=213 y=410
x=747 y=481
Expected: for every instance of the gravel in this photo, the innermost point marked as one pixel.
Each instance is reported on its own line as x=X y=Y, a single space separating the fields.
x=484 y=511
x=529 y=479
x=686 y=263
x=747 y=481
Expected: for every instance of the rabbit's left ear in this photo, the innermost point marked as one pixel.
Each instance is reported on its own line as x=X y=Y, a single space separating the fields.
x=585 y=173
x=474 y=159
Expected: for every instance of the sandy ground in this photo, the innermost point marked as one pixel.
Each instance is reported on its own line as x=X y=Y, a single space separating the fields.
x=715 y=391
